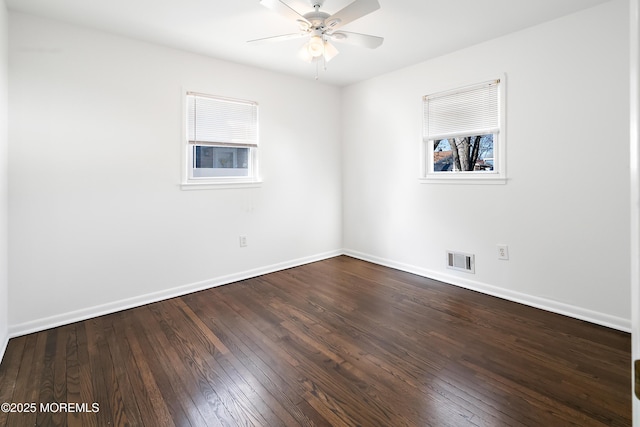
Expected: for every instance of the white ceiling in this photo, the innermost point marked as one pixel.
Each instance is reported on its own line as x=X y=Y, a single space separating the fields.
x=414 y=30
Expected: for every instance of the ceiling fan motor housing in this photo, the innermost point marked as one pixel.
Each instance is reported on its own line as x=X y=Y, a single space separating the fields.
x=317 y=19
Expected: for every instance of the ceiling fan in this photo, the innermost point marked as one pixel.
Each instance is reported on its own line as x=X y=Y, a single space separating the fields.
x=321 y=27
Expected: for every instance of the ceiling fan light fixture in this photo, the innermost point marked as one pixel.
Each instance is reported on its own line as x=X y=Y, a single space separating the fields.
x=304 y=54
x=330 y=51
x=315 y=46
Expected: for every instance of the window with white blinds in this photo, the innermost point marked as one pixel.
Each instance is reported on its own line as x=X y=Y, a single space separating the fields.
x=473 y=110
x=221 y=141
x=463 y=133
x=220 y=121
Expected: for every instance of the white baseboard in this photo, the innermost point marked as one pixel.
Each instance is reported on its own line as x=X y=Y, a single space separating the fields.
x=598 y=318
x=115 y=306
x=3 y=347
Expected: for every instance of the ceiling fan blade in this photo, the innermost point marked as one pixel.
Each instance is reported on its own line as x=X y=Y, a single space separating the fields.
x=357 y=39
x=278 y=38
x=353 y=11
x=283 y=9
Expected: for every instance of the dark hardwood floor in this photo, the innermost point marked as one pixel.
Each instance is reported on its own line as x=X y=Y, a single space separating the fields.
x=339 y=342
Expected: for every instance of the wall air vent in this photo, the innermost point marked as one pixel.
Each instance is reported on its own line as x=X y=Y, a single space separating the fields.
x=461 y=261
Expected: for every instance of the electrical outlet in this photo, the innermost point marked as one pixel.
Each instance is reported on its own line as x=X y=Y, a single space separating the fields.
x=503 y=252
x=243 y=241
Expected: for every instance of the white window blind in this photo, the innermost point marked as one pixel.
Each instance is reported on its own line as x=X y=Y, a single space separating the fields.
x=221 y=121
x=472 y=110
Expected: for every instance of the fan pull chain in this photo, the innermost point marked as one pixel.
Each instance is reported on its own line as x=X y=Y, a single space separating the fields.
x=324 y=67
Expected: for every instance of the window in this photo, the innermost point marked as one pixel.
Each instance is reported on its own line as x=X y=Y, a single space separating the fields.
x=221 y=140
x=463 y=134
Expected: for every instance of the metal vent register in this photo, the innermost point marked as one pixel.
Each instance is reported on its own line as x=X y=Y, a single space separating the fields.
x=461 y=261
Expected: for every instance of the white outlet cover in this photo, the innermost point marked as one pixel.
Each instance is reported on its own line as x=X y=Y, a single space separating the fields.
x=503 y=252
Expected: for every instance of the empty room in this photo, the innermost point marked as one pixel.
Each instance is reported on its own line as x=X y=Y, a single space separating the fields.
x=319 y=213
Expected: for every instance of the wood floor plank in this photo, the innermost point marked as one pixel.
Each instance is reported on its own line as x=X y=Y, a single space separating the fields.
x=50 y=370
x=340 y=342
x=215 y=399
x=9 y=373
x=268 y=406
x=264 y=364
x=99 y=378
x=86 y=379
x=120 y=352
x=187 y=392
x=153 y=409
x=73 y=382
x=225 y=381
x=122 y=325
x=27 y=387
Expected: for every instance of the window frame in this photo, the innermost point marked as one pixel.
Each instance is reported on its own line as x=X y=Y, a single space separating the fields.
x=191 y=182
x=498 y=175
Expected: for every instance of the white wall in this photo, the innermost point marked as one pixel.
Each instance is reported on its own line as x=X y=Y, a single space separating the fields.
x=565 y=210
x=98 y=220
x=4 y=206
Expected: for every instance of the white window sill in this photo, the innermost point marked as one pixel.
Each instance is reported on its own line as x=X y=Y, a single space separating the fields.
x=464 y=178
x=220 y=185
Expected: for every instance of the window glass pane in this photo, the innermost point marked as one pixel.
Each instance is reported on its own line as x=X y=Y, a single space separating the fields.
x=220 y=161
x=471 y=153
